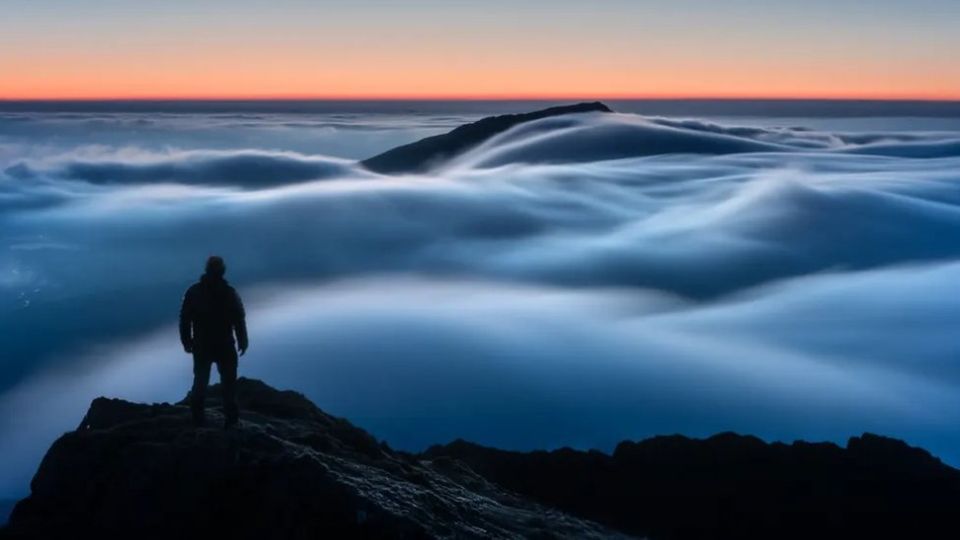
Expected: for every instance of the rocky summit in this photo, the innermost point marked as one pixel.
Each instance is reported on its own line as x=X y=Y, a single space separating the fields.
x=289 y=471
x=292 y=471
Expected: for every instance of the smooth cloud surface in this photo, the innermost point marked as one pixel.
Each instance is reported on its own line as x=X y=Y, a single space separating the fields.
x=572 y=282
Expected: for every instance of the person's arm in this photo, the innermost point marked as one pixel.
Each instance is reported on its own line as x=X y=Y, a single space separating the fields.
x=240 y=324
x=186 y=322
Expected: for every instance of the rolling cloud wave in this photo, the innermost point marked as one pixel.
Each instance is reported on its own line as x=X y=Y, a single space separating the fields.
x=571 y=281
x=241 y=169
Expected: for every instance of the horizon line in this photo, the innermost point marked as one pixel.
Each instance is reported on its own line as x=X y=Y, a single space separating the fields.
x=481 y=97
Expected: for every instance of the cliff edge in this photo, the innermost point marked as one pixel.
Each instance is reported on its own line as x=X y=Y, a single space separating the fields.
x=290 y=470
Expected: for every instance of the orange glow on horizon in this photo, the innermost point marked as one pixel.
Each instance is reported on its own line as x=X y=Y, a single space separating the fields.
x=484 y=97
x=266 y=74
x=121 y=82
x=423 y=71
x=466 y=96
x=356 y=50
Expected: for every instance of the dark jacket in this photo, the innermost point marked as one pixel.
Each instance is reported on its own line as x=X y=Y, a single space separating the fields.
x=210 y=315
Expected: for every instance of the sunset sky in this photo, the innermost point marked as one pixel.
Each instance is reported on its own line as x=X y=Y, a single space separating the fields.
x=54 y=49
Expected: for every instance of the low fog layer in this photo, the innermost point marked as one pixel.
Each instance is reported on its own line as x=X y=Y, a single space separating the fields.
x=574 y=281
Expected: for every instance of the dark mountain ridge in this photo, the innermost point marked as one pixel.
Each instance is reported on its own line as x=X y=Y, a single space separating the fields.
x=292 y=471
x=421 y=155
x=735 y=486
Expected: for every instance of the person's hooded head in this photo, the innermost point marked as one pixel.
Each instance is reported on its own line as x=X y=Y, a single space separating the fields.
x=215 y=267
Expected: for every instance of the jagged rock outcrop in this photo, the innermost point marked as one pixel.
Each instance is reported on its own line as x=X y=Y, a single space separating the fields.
x=290 y=472
x=733 y=486
x=421 y=155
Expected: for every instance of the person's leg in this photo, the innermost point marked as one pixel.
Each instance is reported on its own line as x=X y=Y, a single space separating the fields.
x=227 y=367
x=198 y=394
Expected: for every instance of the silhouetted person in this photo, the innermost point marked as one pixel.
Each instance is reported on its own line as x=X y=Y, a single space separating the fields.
x=210 y=316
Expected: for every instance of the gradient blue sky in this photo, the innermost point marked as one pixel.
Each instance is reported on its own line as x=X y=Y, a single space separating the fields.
x=472 y=48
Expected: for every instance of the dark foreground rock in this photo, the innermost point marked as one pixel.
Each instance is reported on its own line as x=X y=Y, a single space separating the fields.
x=421 y=155
x=291 y=471
x=733 y=486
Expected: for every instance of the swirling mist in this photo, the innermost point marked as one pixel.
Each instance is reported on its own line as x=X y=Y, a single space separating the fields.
x=573 y=281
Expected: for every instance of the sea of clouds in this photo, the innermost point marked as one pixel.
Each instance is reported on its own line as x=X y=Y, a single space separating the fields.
x=574 y=281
